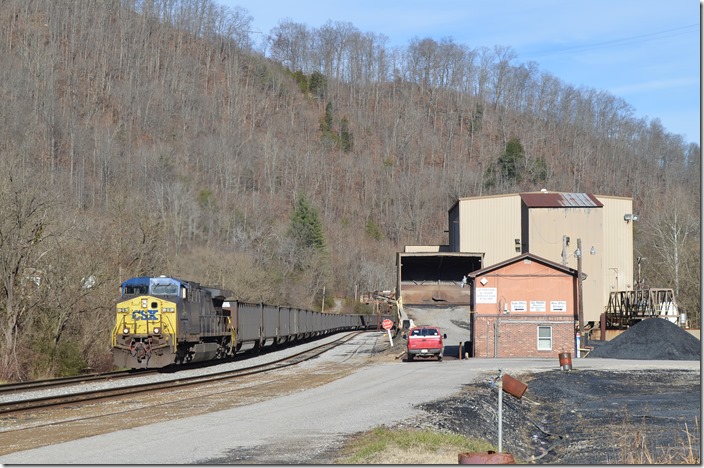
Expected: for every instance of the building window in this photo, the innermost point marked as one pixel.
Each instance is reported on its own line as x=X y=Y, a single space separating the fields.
x=544 y=338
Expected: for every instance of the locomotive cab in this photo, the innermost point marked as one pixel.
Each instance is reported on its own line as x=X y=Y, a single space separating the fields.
x=162 y=321
x=146 y=326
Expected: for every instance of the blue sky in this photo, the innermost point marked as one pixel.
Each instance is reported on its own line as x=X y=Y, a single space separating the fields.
x=644 y=51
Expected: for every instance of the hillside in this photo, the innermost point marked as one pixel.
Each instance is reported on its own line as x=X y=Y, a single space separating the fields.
x=149 y=138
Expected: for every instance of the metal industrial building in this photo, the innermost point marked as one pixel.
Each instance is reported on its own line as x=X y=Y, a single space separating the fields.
x=487 y=230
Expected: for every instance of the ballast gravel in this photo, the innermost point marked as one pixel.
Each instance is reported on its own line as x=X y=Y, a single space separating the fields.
x=167 y=376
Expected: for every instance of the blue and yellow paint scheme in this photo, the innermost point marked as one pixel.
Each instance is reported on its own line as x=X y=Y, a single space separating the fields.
x=163 y=320
x=146 y=325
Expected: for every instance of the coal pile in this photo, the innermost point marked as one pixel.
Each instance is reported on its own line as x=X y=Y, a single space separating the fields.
x=652 y=338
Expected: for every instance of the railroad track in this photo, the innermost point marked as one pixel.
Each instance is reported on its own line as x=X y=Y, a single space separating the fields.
x=16 y=407
x=20 y=387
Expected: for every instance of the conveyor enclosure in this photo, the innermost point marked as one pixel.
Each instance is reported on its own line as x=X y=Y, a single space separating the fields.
x=435 y=278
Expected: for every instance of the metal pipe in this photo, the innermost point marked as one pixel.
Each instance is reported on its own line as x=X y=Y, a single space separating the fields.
x=496 y=338
x=501 y=392
x=580 y=304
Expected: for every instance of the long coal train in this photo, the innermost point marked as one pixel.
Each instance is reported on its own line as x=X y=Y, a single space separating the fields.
x=163 y=320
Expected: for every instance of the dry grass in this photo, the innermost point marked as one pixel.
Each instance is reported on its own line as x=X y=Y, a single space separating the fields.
x=384 y=446
x=637 y=449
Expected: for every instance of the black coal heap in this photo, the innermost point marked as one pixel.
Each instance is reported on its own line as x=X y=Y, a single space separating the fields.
x=652 y=338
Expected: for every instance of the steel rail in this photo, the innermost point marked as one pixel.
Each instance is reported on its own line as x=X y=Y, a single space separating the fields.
x=17 y=387
x=180 y=382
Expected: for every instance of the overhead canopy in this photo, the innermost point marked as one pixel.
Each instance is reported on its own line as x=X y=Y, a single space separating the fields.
x=431 y=277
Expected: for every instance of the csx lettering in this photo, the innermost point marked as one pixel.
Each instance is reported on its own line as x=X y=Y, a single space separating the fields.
x=145 y=315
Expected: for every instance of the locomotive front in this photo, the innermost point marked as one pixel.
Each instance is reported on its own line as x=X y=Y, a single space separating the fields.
x=146 y=326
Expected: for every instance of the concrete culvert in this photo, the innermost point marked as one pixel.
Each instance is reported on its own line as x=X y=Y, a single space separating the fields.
x=652 y=338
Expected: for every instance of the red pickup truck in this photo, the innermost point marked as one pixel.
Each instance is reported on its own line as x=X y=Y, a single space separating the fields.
x=424 y=342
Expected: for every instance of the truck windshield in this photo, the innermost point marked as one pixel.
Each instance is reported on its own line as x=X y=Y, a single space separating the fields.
x=425 y=332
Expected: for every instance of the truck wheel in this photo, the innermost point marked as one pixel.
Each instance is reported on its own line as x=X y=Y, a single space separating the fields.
x=409 y=357
x=439 y=357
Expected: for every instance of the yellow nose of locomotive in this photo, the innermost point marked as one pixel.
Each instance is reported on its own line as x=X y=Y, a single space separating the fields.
x=145 y=326
x=141 y=315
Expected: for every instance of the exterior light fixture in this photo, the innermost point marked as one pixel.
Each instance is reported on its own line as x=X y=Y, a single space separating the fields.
x=628 y=217
x=592 y=251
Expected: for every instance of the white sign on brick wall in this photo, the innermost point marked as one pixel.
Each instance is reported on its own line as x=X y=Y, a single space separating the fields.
x=537 y=306
x=558 y=306
x=519 y=306
x=486 y=295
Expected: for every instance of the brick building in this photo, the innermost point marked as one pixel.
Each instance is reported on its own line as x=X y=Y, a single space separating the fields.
x=525 y=306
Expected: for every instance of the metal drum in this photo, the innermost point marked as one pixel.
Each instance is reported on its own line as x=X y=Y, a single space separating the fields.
x=565 y=361
x=486 y=458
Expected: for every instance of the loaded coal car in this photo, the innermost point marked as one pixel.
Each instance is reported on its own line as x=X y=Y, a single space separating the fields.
x=163 y=320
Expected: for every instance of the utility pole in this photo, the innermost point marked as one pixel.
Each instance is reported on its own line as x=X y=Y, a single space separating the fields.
x=580 y=303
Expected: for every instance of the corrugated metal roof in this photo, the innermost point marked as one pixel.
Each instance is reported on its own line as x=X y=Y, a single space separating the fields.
x=560 y=200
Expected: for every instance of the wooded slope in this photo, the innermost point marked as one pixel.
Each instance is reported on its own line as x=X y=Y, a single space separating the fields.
x=146 y=138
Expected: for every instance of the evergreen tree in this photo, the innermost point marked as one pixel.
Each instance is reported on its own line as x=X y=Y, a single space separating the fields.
x=346 y=138
x=508 y=169
x=512 y=161
x=305 y=226
x=326 y=124
x=302 y=80
x=317 y=84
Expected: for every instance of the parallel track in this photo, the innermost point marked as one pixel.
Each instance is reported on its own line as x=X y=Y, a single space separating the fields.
x=15 y=407
x=18 y=387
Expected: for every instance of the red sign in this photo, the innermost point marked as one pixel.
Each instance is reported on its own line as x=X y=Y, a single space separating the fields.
x=387 y=324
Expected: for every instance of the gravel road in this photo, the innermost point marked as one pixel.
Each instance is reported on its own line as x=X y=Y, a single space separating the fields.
x=307 y=426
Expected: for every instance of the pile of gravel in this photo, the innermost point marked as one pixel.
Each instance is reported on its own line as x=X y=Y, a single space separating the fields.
x=652 y=338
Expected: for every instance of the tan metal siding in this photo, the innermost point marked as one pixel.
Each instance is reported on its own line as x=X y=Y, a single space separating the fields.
x=548 y=225
x=490 y=225
x=618 y=245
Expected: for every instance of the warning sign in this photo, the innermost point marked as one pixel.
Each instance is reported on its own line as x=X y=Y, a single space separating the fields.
x=486 y=295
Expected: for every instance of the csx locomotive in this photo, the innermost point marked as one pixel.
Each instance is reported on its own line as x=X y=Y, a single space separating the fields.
x=164 y=320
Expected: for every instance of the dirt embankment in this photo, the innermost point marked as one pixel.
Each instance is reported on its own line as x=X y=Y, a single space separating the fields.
x=579 y=417
x=592 y=416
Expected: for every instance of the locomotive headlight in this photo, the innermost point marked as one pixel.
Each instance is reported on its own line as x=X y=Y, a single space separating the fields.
x=126 y=331
x=157 y=330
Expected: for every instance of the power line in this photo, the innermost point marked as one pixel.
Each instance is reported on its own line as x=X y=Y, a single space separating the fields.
x=617 y=42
